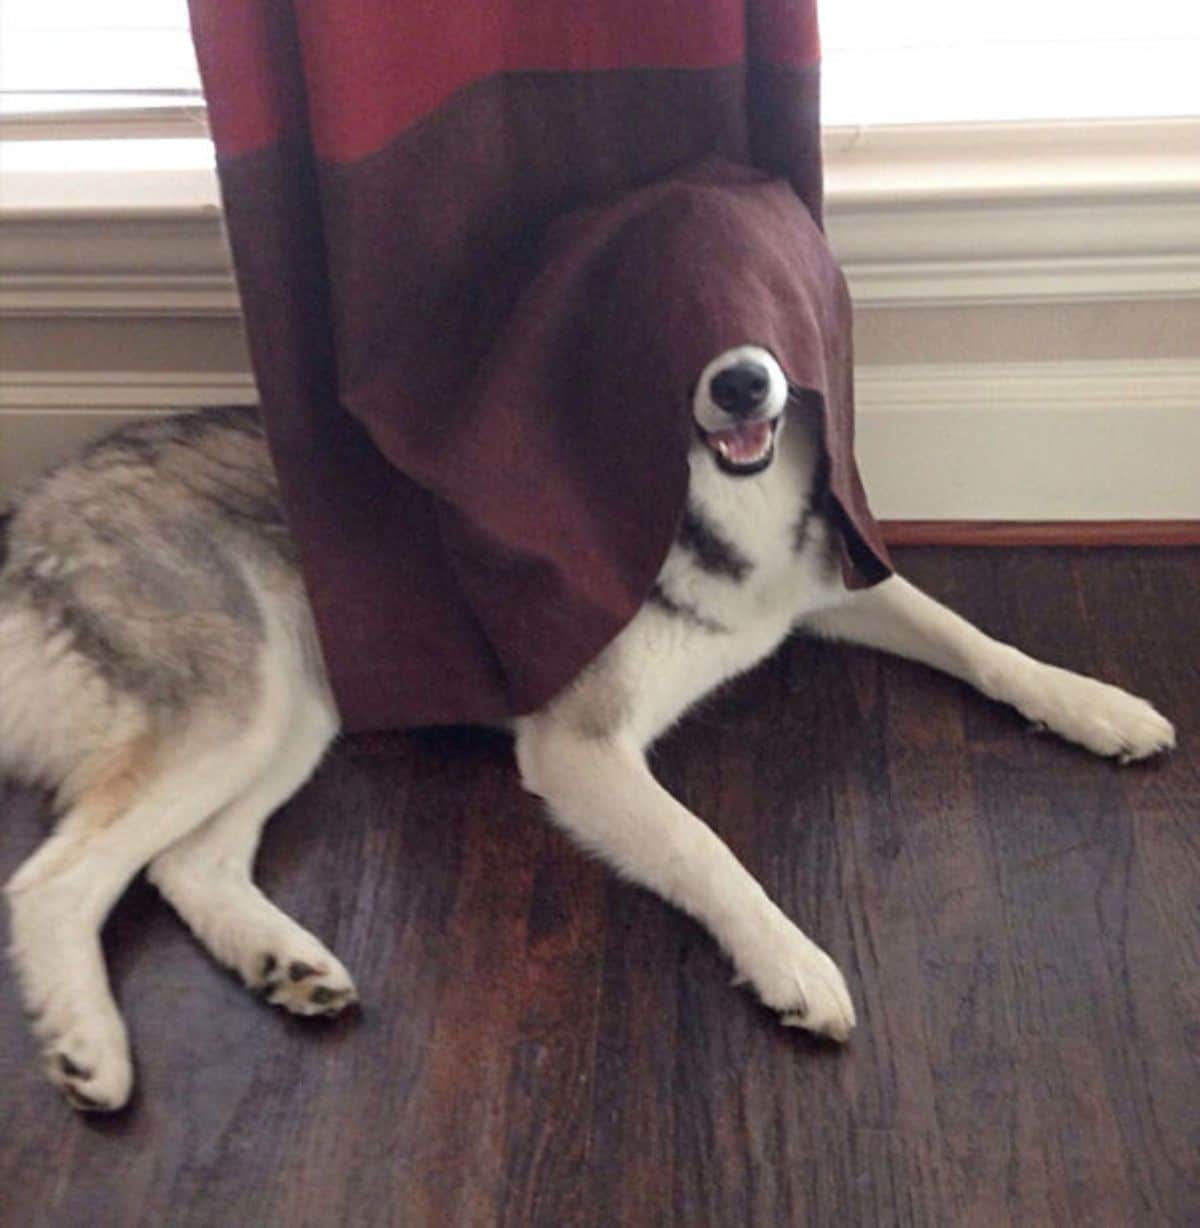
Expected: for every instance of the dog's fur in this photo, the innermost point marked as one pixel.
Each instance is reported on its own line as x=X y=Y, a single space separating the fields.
x=159 y=670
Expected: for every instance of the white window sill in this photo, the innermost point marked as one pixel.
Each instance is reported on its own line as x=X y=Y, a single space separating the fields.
x=918 y=215
x=997 y=162
x=107 y=177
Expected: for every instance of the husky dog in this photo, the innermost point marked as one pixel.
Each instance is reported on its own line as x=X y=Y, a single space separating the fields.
x=159 y=670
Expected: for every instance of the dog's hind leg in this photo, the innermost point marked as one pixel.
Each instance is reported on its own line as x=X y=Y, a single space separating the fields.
x=59 y=897
x=601 y=790
x=897 y=617
x=207 y=877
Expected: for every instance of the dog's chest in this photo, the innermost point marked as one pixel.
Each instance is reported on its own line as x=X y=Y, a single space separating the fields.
x=751 y=561
x=752 y=551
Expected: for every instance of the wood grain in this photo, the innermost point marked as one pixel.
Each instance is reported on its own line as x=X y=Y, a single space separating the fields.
x=544 y=1045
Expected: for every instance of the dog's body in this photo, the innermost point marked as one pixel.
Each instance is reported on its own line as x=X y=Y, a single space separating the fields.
x=159 y=669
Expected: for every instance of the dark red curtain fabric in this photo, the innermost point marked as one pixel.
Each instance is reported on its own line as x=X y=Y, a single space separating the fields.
x=392 y=175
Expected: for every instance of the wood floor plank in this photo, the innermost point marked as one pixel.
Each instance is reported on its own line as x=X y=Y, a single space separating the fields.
x=542 y=1044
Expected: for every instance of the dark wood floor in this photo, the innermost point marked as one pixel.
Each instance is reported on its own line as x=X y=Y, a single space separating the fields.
x=542 y=1045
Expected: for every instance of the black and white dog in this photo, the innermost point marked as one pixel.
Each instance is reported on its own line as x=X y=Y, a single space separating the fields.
x=158 y=669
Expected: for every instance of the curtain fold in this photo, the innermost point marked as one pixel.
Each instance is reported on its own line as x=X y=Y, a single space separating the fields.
x=392 y=175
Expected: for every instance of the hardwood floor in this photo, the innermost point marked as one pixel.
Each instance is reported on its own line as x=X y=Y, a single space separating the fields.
x=544 y=1045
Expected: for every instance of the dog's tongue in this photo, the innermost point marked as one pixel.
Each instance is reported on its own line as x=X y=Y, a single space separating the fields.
x=746 y=442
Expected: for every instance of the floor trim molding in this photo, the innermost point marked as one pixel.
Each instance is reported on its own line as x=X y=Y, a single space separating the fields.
x=1105 y=440
x=1095 y=443
x=1041 y=532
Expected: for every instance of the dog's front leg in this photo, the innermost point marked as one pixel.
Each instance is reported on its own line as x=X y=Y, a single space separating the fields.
x=602 y=792
x=897 y=617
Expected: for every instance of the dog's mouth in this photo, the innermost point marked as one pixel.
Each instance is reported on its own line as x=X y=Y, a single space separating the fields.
x=745 y=448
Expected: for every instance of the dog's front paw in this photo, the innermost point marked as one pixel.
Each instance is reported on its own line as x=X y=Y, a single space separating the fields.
x=1100 y=717
x=794 y=977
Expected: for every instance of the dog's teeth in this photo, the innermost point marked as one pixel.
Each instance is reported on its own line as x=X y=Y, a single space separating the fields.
x=723 y=448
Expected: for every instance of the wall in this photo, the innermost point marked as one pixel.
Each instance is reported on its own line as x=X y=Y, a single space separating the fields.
x=1028 y=322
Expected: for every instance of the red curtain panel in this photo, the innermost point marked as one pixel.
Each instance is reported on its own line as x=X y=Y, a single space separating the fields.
x=484 y=250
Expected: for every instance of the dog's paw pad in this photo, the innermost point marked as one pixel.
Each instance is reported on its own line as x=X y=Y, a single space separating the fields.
x=311 y=986
x=93 y=1073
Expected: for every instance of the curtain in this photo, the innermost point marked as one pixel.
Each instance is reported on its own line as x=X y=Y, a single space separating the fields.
x=391 y=172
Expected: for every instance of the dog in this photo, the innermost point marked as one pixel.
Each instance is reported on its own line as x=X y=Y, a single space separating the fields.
x=160 y=671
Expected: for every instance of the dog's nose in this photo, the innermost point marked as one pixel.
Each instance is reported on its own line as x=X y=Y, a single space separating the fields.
x=740 y=389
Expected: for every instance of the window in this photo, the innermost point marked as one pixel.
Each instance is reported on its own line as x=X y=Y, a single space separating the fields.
x=87 y=55
x=886 y=62
x=962 y=61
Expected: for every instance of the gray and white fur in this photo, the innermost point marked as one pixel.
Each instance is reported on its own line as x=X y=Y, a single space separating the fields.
x=159 y=670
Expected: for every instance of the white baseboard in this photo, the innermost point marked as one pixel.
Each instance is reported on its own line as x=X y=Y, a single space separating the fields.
x=46 y=415
x=1032 y=441
x=121 y=392
x=1114 y=440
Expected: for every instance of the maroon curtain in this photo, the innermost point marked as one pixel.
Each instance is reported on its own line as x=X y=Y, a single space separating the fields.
x=391 y=172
